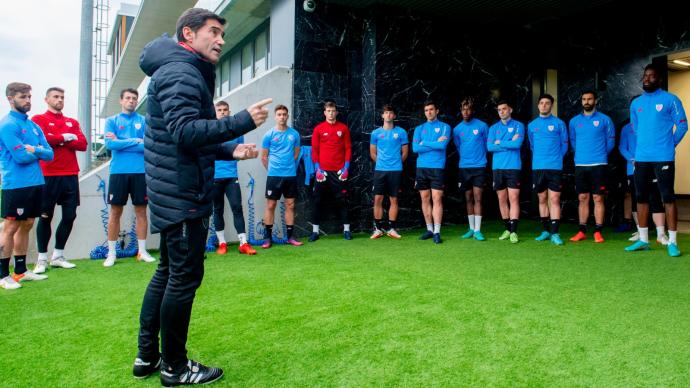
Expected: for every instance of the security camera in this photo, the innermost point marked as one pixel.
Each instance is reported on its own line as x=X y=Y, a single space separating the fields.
x=309 y=5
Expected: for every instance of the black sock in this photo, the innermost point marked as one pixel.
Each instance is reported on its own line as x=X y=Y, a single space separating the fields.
x=392 y=224
x=268 y=232
x=506 y=223
x=513 y=225
x=582 y=228
x=19 y=264
x=554 y=226
x=4 y=267
x=379 y=224
x=290 y=229
x=598 y=228
x=545 y=223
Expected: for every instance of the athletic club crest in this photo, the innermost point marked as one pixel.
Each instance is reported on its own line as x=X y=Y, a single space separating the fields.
x=511 y=129
x=340 y=133
x=395 y=136
x=437 y=130
x=51 y=124
x=325 y=133
x=137 y=125
x=659 y=107
x=69 y=124
x=291 y=138
x=596 y=123
x=551 y=128
x=20 y=211
x=475 y=132
x=269 y=192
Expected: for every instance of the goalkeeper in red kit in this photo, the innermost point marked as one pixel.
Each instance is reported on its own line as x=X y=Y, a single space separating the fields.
x=331 y=152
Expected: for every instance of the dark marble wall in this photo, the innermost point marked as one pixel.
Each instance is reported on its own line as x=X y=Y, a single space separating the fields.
x=364 y=58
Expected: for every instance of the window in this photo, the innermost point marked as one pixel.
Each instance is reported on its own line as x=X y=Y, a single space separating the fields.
x=261 y=54
x=217 y=91
x=247 y=62
x=225 y=76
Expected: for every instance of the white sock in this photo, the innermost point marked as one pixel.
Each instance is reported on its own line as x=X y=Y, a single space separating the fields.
x=57 y=253
x=672 y=237
x=111 y=248
x=470 y=218
x=660 y=231
x=430 y=227
x=142 y=246
x=346 y=227
x=437 y=228
x=221 y=236
x=242 y=237
x=42 y=256
x=477 y=223
x=644 y=234
x=315 y=228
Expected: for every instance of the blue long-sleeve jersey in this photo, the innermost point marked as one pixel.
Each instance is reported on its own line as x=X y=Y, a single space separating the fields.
x=548 y=140
x=470 y=139
x=653 y=116
x=627 y=146
x=227 y=168
x=19 y=167
x=429 y=142
x=506 y=155
x=128 y=146
x=592 y=137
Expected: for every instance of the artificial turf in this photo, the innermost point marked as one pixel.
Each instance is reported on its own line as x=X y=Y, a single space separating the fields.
x=377 y=313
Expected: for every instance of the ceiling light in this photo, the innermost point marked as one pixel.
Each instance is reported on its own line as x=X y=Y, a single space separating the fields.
x=681 y=62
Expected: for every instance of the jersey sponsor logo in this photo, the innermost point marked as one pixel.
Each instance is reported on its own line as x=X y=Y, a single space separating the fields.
x=23 y=130
x=276 y=139
x=137 y=125
x=639 y=109
x=325 y=133
x=659 y=107
x=339 y=133
x=424 y=132
x=121 y=127
x=382 y=136
x=20 y=211
x=69 y=124
x=551 y=128
x=596 y=123
x=475 y=132
x=51 y=124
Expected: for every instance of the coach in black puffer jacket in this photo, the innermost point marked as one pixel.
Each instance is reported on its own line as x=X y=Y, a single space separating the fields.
x=183 y=136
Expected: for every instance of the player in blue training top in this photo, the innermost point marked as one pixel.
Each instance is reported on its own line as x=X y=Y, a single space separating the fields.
x=504 y=140
x=548 y=140
x=22 y=145
x=281 y=145
x=429 y=143
x=654 y=115
x=124 y=137
x=470 y=139
x=592 y=136
x=226 y=183
x=388 y=149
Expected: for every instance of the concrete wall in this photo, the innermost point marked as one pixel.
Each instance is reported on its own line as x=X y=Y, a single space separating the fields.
x=277 y=84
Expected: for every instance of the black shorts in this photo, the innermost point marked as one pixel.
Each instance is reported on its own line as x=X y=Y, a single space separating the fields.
x=22 y=203
x=387 y=183
x=277 y=186
x=122 y=186
x=471 y=177
x=429 y=178
x=506 y=179
x=333 y=186
x=60 y=190
x=547 y=179
x=591 y=179
x=655 y=204
x=647 y=172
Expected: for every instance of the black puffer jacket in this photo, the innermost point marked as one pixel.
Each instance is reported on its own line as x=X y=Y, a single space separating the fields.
x=183 y=137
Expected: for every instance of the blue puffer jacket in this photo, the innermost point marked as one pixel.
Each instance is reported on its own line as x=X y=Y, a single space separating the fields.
x=183 y=139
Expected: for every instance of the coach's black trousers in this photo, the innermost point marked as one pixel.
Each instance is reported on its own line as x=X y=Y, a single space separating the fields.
x=167 y=304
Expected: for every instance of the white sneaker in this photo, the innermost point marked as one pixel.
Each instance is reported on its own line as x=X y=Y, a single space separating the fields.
x=28 y=276
x=145 y=257
x=109 y=261
x=663 y=239
x=635 y=236
x=9 y=284
x=40 y=266
x=62 y=263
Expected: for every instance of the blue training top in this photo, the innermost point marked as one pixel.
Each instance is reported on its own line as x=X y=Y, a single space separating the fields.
x=128 y=147
x=389 y=144
x=425 y=142
x=225 y=169
x=506 y=155
x=19 y=167
x=592 y=138
x=281 y=146
x=548 y=140
x=470 y=139
x=627 y=146
x=653 y=116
